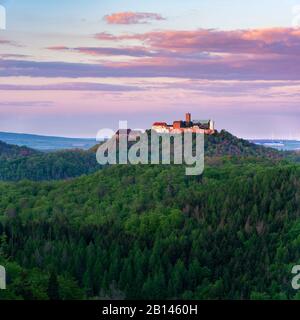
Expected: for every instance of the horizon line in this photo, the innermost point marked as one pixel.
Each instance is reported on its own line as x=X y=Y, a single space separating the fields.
x=94 y=138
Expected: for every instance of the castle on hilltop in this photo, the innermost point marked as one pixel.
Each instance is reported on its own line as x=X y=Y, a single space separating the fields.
x=189 y=125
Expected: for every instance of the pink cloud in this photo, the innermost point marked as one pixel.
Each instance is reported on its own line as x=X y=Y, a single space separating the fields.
x=260 y=54
x=71 y=86
x=135 y=51
x=258 y=41
x=132 y=17
x=105 y=36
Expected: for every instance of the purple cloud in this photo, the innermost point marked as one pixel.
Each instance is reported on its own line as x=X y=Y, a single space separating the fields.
x=108 y=51
x=75 y=86
x=26 y=103
x=264 y=54
x=279 y=68
x=260 y=41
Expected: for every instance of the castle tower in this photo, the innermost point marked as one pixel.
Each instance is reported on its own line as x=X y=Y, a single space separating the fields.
x=188 y=118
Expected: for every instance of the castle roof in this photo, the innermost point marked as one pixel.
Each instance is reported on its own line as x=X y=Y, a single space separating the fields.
x=160 y=124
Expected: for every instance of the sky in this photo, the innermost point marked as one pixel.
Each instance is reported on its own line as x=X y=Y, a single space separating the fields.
x=71 y=68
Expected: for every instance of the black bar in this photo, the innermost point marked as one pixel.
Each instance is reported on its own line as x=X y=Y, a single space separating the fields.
x=95 y=310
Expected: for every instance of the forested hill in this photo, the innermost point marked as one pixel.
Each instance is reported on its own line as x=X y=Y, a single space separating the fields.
x=17 y=163
x=9 y=151
x=49 y=166
x=224 y=143
x=150 y=232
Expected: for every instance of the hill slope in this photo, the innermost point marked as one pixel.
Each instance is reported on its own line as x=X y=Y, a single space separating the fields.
x=49 y=166
x=17 y=163
x=45 y=143
x=224 y=143
x=9 y=151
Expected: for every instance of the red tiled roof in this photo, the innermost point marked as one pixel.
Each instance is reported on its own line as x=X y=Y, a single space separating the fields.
x=161 y=124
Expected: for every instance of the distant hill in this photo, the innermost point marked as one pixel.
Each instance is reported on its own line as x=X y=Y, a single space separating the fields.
x=17 y=163
x=49 y=166
x=220 y=144
x=9 y=151
x=224 y=143
x=46 y=143
x=282 y=144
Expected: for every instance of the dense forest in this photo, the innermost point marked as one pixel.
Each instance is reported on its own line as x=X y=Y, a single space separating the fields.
x=233 y=233
x=49 y=166
x=19 y=163
x=151 y=232
x=224 y=143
